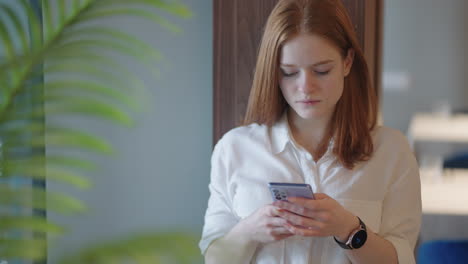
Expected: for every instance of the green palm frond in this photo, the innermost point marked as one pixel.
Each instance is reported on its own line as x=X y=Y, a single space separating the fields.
x=83 y=79
x=32 y=198
x=170 y=247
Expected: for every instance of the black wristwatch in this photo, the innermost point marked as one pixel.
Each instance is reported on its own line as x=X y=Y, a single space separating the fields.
x=357 y=238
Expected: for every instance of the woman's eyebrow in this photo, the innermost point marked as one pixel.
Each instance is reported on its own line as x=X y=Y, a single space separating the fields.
x=313 y=65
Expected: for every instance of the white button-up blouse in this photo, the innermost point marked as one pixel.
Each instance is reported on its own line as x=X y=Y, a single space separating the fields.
x=384 y=191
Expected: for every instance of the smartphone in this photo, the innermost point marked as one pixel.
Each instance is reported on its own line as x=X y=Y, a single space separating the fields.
x=280 y=191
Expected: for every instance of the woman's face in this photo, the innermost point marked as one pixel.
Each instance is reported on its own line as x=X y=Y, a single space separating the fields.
x=312 y=72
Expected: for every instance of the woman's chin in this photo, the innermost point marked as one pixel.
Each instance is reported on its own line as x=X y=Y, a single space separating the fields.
x=311 y=115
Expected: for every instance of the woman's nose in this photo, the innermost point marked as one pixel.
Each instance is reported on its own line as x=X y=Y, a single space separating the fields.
x=307 y=82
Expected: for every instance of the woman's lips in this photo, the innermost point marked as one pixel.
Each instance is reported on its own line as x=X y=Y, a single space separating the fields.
x=309 y=102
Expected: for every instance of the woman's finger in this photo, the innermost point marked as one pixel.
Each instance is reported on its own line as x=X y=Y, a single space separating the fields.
x=272 y=210
x=280 y=231
x=276 y=221
x=301 y=231
x=281 y=237
x=300 y=220
x=321 y=196
x=302 y=208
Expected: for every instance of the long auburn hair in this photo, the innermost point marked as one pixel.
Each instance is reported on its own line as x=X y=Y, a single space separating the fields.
x=355 y=114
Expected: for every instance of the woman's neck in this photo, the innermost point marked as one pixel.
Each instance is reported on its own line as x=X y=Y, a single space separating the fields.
x=310 y=134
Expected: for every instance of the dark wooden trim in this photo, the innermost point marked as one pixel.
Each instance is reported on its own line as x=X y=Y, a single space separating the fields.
x=356 y=12
x=373 y=40
x=378 y=67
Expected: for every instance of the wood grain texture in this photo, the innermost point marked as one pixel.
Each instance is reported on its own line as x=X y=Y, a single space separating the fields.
x=223 y=68
x=356 y=10
x=238 y=27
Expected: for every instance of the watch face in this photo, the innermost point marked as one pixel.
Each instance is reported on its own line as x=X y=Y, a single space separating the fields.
x=359 y=239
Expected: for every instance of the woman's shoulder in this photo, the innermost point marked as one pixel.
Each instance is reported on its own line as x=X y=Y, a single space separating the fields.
x=390 y=139
x=383 y=133
x=245 y=135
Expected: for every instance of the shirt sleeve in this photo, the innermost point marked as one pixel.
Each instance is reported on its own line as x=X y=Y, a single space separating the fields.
x=401 y=215
x=219 y=217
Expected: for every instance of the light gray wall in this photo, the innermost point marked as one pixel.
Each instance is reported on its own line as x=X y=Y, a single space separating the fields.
x=159 y=179
x=426 y=41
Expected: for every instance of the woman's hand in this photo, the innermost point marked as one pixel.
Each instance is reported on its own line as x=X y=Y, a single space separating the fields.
x=322 y=217
x=264 y=225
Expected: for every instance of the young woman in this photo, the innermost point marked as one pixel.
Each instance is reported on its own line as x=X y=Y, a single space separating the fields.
x=311 y=118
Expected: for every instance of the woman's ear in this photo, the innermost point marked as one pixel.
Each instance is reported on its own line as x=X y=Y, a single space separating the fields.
x=348 y=61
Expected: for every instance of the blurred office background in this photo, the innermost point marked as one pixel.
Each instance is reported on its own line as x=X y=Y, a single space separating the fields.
x=425 y=95
x=424 y=58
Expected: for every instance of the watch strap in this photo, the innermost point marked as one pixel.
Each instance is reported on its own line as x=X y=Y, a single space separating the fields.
x=347 y=244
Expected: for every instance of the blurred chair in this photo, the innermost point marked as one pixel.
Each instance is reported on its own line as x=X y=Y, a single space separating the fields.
x=443 y=252
x=457 y=161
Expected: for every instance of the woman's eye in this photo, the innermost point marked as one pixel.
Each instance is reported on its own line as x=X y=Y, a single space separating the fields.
x=288 y=74
x=322 y=72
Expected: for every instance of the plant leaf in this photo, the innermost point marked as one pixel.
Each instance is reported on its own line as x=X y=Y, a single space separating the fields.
x=173 y=8
x=86 y=107
x=7 y=42
x=19 y=29
x=130 y=11
x=30 y=223
x=50 y=173
x=35 y=28
x=61 y=137
x=106 y=45
x=137 y=88
x=61 y=87
x=24 y=248
x=62 y=11
x=173 y=247
x=98 y=32
x=71 y=162
x=33 y=198
x=47 y=19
